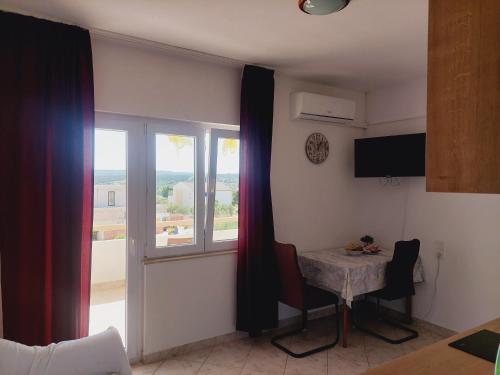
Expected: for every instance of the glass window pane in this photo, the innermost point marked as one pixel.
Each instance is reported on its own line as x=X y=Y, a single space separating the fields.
x=175 y=190
x=226 y=190
x=109 y=233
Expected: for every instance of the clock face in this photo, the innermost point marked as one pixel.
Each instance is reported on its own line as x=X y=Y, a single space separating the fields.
x=317 y=148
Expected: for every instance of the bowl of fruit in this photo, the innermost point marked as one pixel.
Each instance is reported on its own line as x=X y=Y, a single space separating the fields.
x=371 y=249
x=353 y=249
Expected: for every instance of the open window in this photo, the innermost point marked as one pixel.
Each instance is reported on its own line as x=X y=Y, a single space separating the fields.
x=223 y=190
x=176 y=188
x=189 y=210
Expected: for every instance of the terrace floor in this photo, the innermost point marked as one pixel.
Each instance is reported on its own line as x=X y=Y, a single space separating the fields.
x=107 y=308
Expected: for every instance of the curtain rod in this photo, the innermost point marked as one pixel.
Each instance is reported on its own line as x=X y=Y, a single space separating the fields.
x=171 y=49
x=168 y=48
x=164 y=47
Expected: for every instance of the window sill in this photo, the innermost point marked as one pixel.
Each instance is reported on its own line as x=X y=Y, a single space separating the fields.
x=173 y=258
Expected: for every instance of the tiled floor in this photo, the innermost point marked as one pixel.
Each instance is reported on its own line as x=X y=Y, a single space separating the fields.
x=258 y=357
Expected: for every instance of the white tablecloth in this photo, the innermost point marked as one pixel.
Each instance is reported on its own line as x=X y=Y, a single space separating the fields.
x=349 y=275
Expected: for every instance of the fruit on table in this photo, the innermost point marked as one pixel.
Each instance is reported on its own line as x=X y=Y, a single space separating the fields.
x=372 y=248
x=352 y=246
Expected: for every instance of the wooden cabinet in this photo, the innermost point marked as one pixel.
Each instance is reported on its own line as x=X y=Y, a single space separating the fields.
x=463 y=96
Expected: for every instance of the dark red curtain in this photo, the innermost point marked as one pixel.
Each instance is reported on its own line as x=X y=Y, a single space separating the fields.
x=46 y=153
x=257 y=306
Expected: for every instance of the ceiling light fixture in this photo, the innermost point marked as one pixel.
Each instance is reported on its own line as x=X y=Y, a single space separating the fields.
x=322 y=7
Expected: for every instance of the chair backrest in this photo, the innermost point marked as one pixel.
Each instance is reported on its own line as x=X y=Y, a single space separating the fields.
x=399 y=275
x=291 y=282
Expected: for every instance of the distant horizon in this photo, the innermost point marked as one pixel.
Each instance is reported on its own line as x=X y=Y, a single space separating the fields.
x=110 y=154
x=178 y=172
x=111 y=176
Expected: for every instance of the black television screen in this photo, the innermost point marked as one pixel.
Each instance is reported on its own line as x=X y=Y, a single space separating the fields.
x=393 y=156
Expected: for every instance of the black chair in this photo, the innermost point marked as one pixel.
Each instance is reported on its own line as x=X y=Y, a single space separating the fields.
x=293 y=291
x=399 y=284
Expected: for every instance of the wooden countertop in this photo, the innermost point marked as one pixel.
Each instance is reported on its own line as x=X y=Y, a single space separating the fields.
x=440 y=359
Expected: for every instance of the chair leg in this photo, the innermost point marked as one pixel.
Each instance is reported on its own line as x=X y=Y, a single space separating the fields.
x=275 y=339
x=304 y=319
x=345 y=323
x=413 y=333
x=408 y=308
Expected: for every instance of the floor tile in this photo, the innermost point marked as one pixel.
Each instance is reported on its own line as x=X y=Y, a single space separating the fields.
x=311 y=365
x=378 y=355
x=197 y=356
x=231 y=354
x=254 y=372
x=175 y=367
x=149 y=369
x=348 y=361
x=266 y=358
x=342 y=367
x=209 y=369
x=257 y=356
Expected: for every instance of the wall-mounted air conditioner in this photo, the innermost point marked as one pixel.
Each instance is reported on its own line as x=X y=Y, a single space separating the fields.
x=317 y=107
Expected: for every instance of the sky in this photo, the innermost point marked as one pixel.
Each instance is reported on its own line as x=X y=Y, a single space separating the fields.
x=110 y=153
x=110 y=149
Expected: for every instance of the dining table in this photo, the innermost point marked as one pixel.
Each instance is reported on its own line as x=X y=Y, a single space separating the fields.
x=350 y=275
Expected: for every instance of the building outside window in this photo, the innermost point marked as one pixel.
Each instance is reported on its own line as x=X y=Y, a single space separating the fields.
x=111 y=198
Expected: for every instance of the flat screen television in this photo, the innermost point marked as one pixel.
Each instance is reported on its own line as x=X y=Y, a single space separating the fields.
x=393 y=156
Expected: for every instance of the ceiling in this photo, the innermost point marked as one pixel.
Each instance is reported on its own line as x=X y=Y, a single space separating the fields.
x=369 y=44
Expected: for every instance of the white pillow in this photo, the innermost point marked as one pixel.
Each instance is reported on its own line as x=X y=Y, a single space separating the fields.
x=100 y=354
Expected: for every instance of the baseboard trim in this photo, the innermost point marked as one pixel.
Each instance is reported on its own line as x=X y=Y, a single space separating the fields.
x=217 y=340
x=434 y=327
x=283 y=324
x=192 y=347
x=442 y=331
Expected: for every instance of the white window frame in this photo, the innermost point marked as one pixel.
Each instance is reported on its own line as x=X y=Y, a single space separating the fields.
x=210 y=244
x=134 y=127
x=175 y=128
x=139 y=156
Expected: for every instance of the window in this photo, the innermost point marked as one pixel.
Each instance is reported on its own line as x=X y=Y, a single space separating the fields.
x=111 y=198
x=175 y=190
x=109 y=233
x=192 y=188
x=223 y=188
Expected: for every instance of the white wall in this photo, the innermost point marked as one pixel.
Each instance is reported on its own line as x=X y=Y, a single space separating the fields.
x=189 y=300
x=312 y=204
x=109 y=261
x=142 y=81
x=184 y=300
x=195 y=299
x=315 y=206
x=467 y=224
x=397 y=103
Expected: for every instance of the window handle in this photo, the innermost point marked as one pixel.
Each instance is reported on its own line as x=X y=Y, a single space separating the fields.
x=133 y=250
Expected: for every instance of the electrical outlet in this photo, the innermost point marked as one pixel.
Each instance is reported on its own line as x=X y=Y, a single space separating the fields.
x=439 y=248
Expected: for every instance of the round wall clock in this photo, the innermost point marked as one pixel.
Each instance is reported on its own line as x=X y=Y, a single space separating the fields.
x=317 y=148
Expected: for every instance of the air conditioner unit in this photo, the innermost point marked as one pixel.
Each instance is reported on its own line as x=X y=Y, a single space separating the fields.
x=317 y=107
